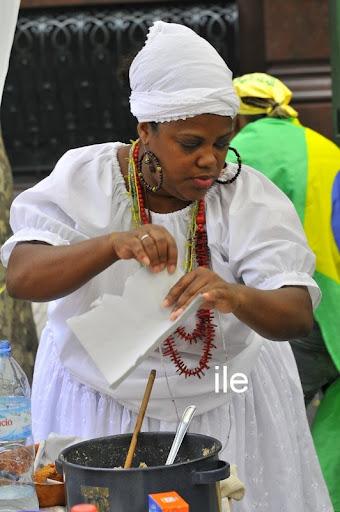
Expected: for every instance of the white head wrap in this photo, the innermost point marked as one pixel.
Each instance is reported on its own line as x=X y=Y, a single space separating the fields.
x=177 y=75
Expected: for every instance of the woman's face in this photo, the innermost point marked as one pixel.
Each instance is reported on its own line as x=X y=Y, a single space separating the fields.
x=191 y=152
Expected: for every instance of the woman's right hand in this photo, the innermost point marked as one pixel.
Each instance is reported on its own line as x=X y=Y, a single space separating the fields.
x=151 y=245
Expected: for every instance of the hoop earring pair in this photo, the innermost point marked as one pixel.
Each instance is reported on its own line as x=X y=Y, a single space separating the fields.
x=150 y=159
x=239 y=164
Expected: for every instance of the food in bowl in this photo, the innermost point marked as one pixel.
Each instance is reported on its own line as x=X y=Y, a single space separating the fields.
x=48 y=471
x=49 y=494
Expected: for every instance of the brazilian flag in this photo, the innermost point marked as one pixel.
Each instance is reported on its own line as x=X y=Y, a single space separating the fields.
x=306 y=166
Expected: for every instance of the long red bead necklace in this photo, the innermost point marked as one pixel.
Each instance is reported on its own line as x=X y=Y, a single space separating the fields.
x=204 y=330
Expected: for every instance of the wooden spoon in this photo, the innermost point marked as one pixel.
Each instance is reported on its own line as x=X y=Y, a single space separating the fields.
x=139 y=421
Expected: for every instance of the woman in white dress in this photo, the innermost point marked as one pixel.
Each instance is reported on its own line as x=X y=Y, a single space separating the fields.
x=168 y=200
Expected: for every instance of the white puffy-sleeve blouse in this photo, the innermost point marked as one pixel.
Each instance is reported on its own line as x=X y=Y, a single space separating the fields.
x=254 y=236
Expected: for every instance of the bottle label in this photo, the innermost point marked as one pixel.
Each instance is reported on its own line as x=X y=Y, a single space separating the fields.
x=15 y=418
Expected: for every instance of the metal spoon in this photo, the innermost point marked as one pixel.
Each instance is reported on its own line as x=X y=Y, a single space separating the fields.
x=180 y=433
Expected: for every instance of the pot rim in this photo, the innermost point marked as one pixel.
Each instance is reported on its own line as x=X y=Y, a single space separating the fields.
x=62 y=460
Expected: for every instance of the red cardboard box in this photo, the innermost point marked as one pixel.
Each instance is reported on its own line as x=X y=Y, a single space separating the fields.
x=167 y=502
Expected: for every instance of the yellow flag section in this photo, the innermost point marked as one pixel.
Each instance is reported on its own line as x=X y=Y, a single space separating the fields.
x=323 y=164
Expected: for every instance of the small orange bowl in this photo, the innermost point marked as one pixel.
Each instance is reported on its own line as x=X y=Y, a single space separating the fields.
x=50 y=495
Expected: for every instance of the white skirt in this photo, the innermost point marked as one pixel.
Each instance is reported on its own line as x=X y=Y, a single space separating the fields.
x=264 y=431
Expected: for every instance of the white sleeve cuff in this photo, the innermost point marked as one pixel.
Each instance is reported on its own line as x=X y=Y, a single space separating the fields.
x=294 y=279
x=27 y=235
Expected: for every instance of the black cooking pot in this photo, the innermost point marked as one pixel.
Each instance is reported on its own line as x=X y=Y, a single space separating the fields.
x=90 y=476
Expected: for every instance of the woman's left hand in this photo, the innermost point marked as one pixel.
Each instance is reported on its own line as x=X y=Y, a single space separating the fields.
x=216 y=292
x=279 y=314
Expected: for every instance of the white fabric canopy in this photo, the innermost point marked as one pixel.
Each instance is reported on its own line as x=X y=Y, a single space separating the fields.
x=8 y=17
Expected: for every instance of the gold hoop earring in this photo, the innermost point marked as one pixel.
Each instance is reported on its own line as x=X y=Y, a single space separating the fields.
x=150 y=159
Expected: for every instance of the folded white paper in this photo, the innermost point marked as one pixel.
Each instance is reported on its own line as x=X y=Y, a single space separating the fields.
x=121 y=331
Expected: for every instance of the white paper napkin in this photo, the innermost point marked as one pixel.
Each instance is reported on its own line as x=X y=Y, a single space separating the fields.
x=53 y=445
x=120 y=331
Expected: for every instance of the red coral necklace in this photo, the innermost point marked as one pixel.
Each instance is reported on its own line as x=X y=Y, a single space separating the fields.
x=198 y=249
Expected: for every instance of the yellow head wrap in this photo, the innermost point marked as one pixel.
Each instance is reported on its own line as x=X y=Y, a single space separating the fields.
x=263 y=94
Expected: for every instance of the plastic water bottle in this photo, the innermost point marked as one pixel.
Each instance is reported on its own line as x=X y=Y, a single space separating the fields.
x=17 y=491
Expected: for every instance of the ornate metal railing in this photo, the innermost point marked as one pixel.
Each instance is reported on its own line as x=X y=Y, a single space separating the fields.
x=65 y=86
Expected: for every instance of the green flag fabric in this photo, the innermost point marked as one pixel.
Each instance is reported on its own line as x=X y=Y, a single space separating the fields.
x=325 y=432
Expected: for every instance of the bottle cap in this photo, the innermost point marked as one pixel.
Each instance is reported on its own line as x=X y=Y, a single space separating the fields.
x=84 y=508
x=5 y=346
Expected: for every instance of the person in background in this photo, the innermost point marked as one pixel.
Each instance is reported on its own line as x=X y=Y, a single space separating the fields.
x=306 y=167
x=163 y=201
